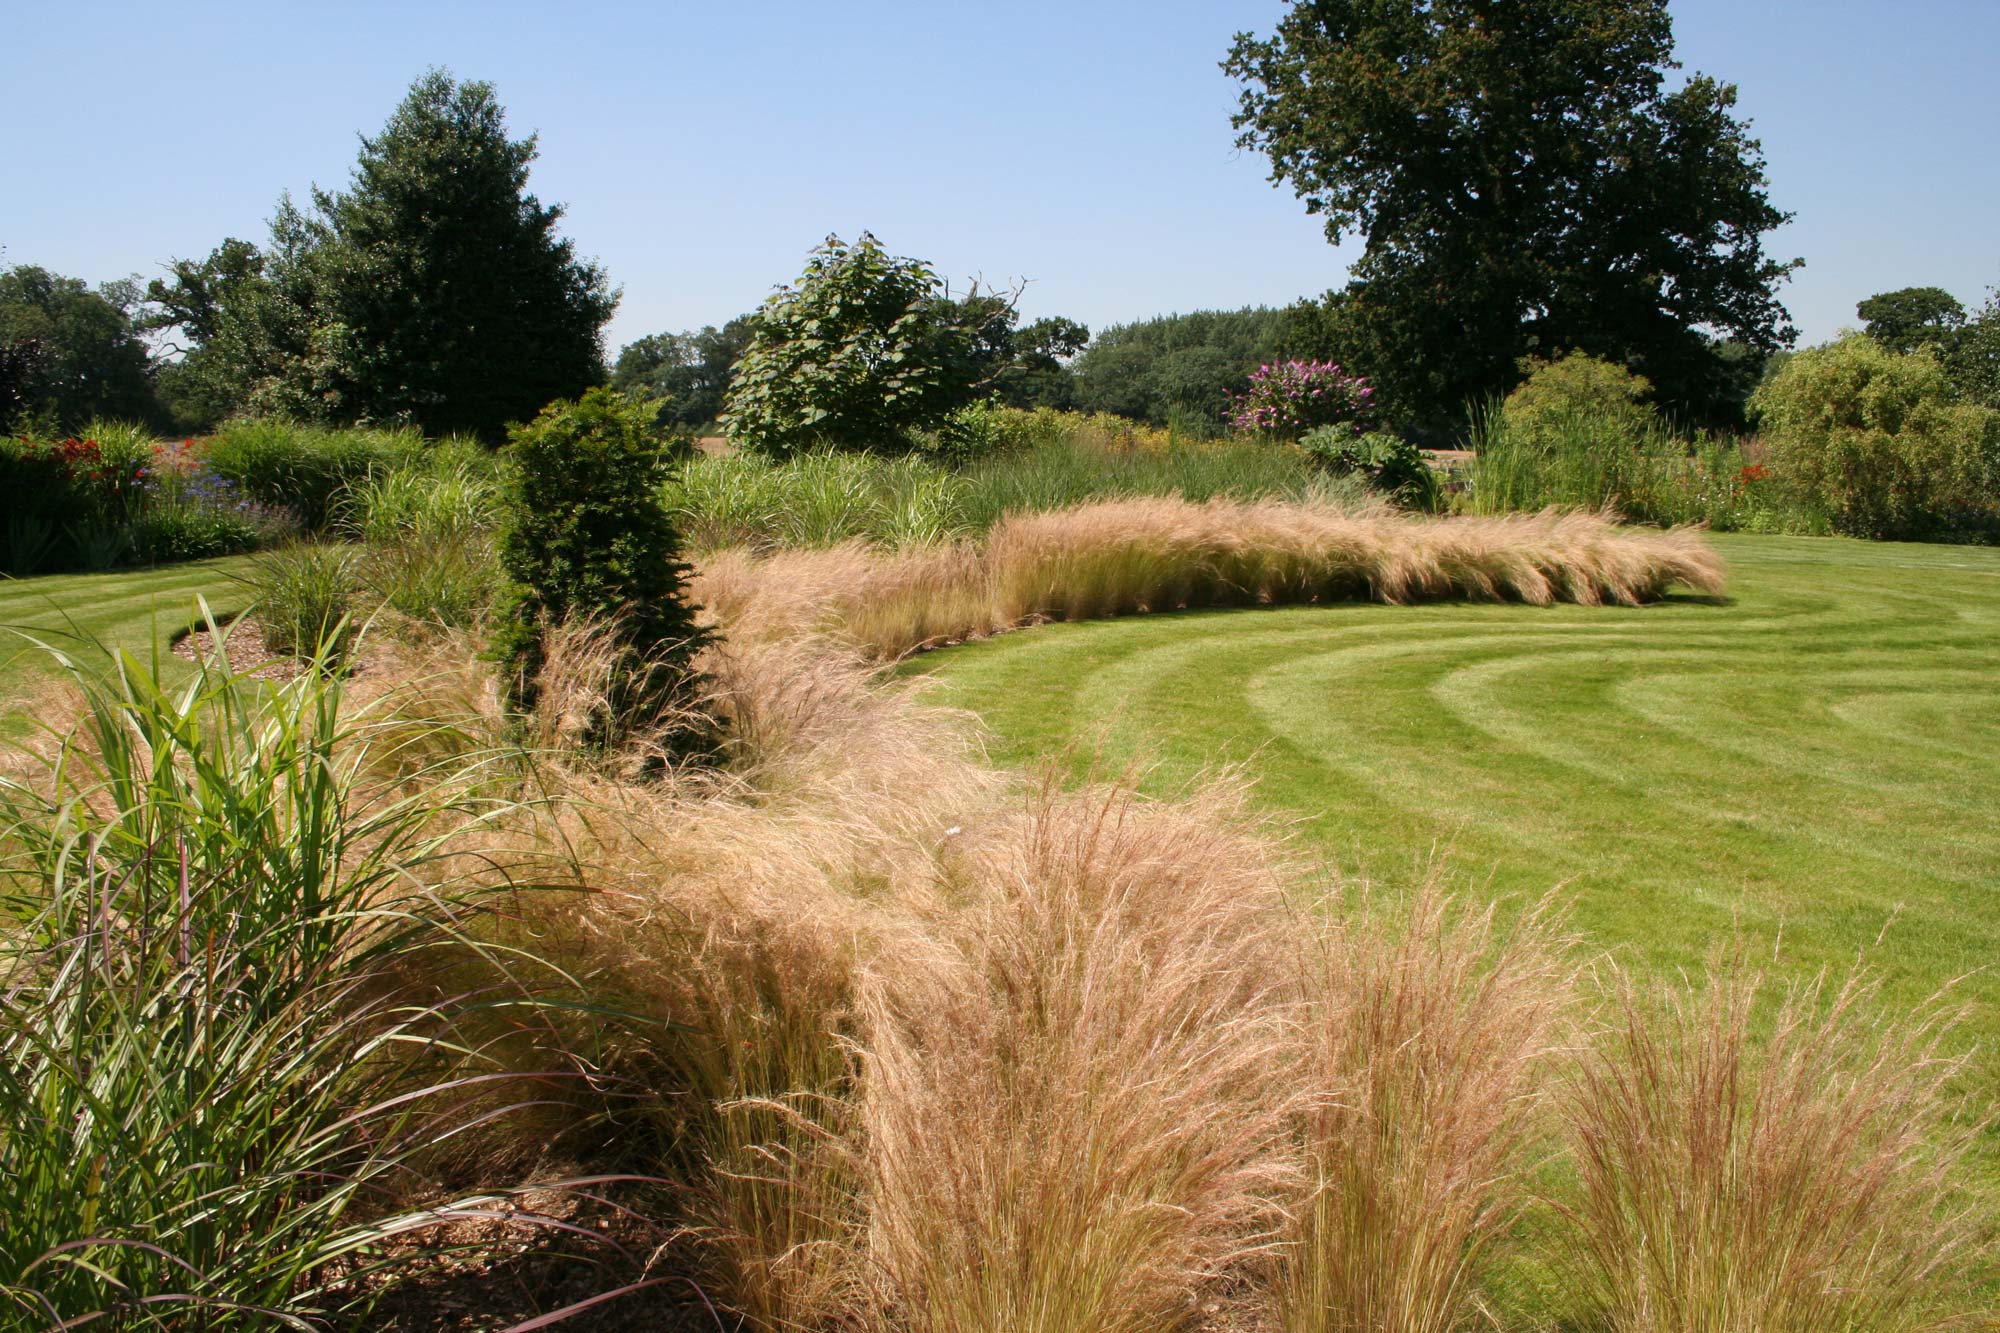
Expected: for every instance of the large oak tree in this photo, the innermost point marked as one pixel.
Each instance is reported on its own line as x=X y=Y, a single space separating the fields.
x=1526 y=183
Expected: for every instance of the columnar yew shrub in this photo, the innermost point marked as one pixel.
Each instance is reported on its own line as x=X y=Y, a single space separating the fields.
x=588 y=539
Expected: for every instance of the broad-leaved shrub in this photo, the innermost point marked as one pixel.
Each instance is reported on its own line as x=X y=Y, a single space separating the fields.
x=1875 y=437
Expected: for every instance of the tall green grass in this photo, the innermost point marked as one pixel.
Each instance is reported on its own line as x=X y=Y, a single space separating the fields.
x=819 y=499
x=1644 y=472
x=828 y=498
x=305 y=595
x=305 y=469
x=1068 y=470
x=225 y=1021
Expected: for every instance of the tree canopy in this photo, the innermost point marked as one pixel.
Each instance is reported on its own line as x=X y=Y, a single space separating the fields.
x=865 y=349
x=689 y=371
x=1526 y=184
x=1909 y=317
x=1190 y=363
x=68 y=352
x=435 y=289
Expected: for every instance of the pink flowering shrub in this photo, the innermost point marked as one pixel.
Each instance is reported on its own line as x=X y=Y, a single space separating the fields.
x=1289 y=398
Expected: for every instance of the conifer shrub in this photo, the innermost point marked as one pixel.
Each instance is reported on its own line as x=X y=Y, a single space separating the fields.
x=586 y=538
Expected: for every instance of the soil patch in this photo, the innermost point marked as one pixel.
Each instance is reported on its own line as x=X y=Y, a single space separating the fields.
x=243 y=642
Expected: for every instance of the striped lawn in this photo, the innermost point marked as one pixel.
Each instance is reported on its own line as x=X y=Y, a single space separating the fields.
x=1814 y=761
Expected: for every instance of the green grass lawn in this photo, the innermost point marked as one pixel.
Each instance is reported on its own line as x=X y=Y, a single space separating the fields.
x=134 y=609
x=1813 y=760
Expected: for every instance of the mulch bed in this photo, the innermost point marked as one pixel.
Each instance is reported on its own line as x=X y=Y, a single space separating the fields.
x=565 y=1249
x=243 y=641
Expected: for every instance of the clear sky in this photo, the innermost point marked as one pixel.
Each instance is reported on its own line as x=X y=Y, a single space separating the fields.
x=702 y=149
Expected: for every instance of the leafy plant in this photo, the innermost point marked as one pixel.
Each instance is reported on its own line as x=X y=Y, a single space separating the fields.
x=1289 y=398
x=72 y=501
x=306 y=469
x=977 y=430
x=305 y=599
x=213 y=1068
x=443 y=493
x=866 y=348
x=190 y=513
x=588 y=539
x=1876 y=439
x=1574 y=387
x=1389 y=463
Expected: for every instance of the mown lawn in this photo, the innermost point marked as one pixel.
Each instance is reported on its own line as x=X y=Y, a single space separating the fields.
x=138 y=610
x=1814 y=762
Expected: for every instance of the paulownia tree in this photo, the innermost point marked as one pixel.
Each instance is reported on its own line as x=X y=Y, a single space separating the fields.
x=865 y=349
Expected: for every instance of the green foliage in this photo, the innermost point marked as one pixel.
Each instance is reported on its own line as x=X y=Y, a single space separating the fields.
x=1972 y=358
x=191 y=515
x=71 y=503
x=815 y=499
x=1389 y=464
x=1911 y=317
x=305 y=469
x=978 y=430
x=434 y=290
x=69 y=353
x=588 y=539
x=1078 y=465
x=1038 y=374
x=217 y=309
x=865 y=349
x=305 y=595
x=1576 y=386
x=689 y=371
x=1050 y=460
x=212 y=1073
x=447 y=491
x=448 y=579
x=1646 y=474
x=1188 y=363
x=1525 y=183
x=1875 y=438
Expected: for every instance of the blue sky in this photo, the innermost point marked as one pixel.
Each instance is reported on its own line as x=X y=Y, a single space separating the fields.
x=702 y=149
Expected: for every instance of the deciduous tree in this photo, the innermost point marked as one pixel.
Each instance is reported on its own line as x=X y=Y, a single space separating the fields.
x=865 y=349
x=1526 y=182
x=1910 y=317
x=68 y=352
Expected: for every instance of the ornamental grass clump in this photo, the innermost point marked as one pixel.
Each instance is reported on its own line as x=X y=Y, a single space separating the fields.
x=1075 y=1101
x=1289 y=398
x=1799 y=1182
x=229 y=1023
x=1425 y=1045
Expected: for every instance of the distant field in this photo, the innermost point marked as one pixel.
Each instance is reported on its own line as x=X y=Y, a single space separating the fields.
x=1816 y=759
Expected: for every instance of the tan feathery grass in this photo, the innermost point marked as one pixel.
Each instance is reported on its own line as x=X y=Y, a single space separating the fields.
x=1425 y=1042
x=1802 y=1182
x=1074 y=1109
x=1119 y=557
